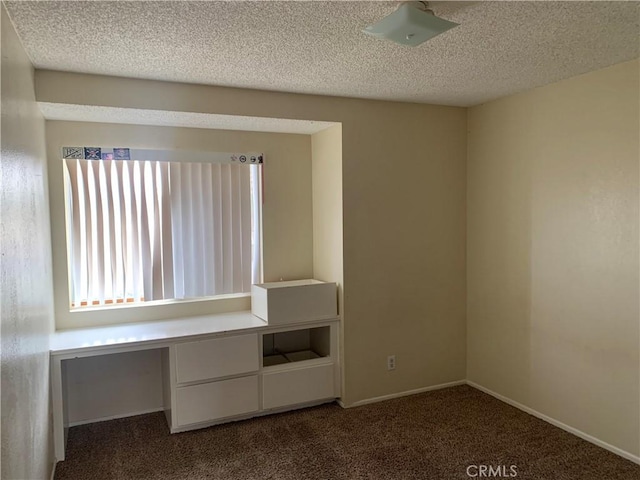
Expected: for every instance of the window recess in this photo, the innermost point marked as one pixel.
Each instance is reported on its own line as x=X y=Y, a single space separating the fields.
x=160 y=224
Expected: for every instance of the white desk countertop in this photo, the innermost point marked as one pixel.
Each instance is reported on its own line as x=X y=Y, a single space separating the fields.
x=77 y=340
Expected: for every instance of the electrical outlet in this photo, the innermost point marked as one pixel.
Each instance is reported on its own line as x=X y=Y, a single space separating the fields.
x=391 y=362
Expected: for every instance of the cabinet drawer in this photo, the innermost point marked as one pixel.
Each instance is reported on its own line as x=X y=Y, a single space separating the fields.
x=217 y=357
x=297 y=386
x=211 y=401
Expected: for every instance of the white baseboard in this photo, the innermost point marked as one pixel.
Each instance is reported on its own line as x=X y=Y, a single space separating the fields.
x=563 y=426
x=113 y=417
x=402 y=394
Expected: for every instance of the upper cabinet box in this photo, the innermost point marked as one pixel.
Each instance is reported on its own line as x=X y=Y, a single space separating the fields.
x=294 y=301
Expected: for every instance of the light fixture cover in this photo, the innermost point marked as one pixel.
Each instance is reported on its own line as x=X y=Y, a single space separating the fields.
x=409 y=25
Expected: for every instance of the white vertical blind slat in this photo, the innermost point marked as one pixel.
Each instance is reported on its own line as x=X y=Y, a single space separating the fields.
x=108 y=226
x=236 y=231
x=256 y=222
x=217 y=251
x=186 y=204
x=132 y=269
x=142 y=198
x=225 y=231
x=136 y=214
x=245 y=229
x=86 y=230
x=119 y=231
x=90 y=231
x=84 y=238
x=166 y=234
x=73 y=230
x=197 y=231
x=208 y=259
x=155 y=227
x=175 y=176
x=97 y=232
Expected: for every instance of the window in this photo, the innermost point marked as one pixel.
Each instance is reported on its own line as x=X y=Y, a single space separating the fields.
x=144 y=230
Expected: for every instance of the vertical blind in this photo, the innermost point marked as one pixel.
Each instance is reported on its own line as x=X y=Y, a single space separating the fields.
x=151 y=230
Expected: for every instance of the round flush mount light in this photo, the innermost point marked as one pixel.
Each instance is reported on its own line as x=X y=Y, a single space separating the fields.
x=412 y=23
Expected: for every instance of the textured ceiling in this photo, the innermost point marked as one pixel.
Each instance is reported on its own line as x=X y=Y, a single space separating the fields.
x=317 y=47
x=90 y=113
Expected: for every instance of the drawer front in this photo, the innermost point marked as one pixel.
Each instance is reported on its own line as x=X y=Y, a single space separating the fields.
x=297 y=386
x=211 y=401
x=217 y=357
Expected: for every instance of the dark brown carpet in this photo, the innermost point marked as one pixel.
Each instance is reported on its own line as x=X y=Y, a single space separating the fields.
x=435 y=435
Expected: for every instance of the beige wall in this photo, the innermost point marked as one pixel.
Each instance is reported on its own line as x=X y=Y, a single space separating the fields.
x=326 y=160
x=553 y=319
x=403 y=188
x=328 y=260
x=287 y=210
x=27 y=301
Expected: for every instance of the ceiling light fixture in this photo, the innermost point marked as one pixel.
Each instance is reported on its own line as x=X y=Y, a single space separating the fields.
x=411 y=24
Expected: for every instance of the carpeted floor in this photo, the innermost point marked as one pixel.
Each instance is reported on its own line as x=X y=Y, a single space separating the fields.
x=441 y=435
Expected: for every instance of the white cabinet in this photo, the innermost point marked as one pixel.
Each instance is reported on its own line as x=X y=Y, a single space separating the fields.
x=294 y=301
x=217 y=357
x=231 y=376
x=300 y=365
x=300 y=385
x=209 y=363
x=216 y=400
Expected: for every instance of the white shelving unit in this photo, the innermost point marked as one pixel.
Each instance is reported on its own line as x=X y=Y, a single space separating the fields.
x=310 y=370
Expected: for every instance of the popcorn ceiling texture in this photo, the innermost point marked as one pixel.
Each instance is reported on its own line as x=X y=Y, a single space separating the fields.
x=500 y=48
x=91 y=113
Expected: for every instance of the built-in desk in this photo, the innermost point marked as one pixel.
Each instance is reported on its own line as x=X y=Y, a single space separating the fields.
x=216 y=368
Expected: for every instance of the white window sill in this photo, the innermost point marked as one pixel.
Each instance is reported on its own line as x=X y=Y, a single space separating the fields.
x=155 y=303
x=153 y=311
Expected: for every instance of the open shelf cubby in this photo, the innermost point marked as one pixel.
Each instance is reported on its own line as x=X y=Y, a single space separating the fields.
x=295 y=346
